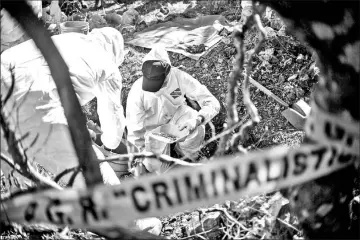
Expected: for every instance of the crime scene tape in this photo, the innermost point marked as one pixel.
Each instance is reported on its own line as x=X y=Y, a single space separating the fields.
x=225 y=178
x=331 y=129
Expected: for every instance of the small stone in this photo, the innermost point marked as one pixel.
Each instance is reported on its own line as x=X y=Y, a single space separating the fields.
x=97 y=21
x=210 y=222
x=291 y=96
x=281 y=79
x=152 y=225
x=168 y=228
x=300 y=58
x=293 y=77
x=130 y=17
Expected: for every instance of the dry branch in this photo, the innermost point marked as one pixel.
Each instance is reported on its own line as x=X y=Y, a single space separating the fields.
x=232 y=117
x=255 y=118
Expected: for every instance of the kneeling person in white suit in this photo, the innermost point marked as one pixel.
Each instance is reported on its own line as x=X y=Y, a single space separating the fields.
x=159 y=98
x=35 y=107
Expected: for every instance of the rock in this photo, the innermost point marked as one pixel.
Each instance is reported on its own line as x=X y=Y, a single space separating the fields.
x=130 y=17
x=300 y=58
x=190 y=13
x=97 y=21
x=299 y=92
x=152 y=225
x=210 y=221
x=113 y=19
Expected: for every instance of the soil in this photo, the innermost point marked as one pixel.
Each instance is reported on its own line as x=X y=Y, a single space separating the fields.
x=283 y=65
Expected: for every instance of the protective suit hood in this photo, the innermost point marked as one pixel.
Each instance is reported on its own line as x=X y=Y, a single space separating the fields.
x=157 y=53
x=111 y=40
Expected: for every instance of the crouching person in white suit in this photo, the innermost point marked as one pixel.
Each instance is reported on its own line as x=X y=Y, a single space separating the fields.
x=159 y=98
x=35 y=109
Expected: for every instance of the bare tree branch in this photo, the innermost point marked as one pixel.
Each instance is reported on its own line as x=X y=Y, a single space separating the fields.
x=30 y=173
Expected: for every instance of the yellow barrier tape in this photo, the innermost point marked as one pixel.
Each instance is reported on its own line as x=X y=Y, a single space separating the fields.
x=225 y=178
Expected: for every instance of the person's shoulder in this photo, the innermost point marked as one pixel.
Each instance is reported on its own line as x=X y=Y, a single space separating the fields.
x=176 y=70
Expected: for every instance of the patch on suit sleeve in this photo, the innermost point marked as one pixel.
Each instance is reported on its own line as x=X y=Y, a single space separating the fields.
x=176 y=93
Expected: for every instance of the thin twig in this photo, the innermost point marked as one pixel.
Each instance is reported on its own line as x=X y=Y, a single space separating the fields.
x=227 y=131
x=134 y=156
x=279 y=219
x=72 y=178
x=11 y=89
x=63 y=173
x=251 y=108
x=234 y=220
x=20 y=158
x=213 y=131
x=31 y=173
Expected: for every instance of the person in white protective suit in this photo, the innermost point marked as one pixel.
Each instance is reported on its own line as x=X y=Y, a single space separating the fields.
x=11 y=31
x=159 y=98
x=35 y=109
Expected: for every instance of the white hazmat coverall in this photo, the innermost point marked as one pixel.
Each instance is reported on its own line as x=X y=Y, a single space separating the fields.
x=146 y=110
x=35 y=106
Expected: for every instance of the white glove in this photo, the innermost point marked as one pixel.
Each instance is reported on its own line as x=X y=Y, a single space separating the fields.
x=190 y=124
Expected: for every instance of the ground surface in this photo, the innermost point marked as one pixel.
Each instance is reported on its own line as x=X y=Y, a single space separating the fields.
x=283 y=66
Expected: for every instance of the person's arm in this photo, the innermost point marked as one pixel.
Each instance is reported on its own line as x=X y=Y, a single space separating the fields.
x=110 y=110
x=194 y=90
x=135 y=114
